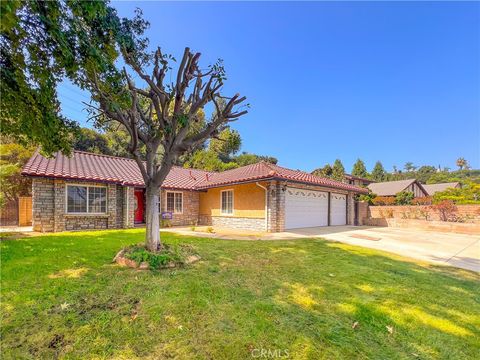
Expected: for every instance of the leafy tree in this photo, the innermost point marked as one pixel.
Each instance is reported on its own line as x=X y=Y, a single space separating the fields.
x=404 y=198
x=338 y=171
x=378 y=172
x=409 y=167
x=13 y=157
x=359 y=169
x=42 y=42
x=326 y=171
x=462 y=163
x=424 y=173
x=88 y=42
x=208 y=160
x=248 y=159
x=91 y=141
x=226 y=144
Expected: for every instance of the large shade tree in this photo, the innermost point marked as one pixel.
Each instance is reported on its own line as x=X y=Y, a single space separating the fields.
x=85 y=41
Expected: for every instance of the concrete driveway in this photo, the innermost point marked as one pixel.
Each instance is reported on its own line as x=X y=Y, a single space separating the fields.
x=458 y=250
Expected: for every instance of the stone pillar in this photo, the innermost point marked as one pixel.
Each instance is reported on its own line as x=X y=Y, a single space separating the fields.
x=43 y=203
x=275 y=207
x=59 y=193
x=350 y=209
x=112 y=206
x=128 y=207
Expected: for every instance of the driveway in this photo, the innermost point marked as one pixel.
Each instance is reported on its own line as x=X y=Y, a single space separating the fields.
x=458 y=250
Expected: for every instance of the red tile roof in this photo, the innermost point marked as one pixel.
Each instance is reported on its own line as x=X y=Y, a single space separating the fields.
x=93 y=167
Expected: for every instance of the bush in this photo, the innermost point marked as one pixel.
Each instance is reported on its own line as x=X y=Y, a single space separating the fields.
x=446 y=210
x=426 y=200
x=468 y=194
x=404 y=198
x=368 y=198
x=383 y=200
x=166 y=256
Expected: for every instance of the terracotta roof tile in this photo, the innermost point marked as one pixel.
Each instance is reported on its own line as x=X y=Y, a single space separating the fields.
x=94 y=167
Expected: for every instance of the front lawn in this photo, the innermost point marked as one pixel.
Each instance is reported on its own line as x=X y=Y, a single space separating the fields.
x=62 y=297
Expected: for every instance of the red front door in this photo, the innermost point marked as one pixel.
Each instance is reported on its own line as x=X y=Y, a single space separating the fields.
x=139 y=206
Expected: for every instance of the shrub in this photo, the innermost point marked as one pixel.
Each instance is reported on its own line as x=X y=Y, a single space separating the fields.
x=165 y=223
x=446 y=210
x=404 y=198
x=383 y=200
x=426 y=200
x=468 y=194
x=168 y=255
x=368 y=198
x=210 y=230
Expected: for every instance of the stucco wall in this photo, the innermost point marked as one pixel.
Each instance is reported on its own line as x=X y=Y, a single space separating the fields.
x=248 y=201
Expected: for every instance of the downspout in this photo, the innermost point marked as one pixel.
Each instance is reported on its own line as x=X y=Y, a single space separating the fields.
x=266 y=204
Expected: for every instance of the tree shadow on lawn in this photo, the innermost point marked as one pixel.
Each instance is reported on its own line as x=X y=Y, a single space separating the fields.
x=301 y=295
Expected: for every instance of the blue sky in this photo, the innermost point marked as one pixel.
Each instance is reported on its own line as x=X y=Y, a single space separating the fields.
x=394 y=82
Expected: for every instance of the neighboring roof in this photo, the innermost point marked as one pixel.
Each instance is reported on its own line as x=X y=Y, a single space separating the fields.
x=94 y=167
x=433 y=188
x=391 y=188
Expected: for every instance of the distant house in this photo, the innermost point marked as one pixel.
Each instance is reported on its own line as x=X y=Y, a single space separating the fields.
x=433 y=188
x=357 y=181
x=391 y=188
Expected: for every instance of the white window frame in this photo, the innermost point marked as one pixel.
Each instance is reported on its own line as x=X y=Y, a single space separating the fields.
x=166 y=201
x=87 y=212
x=233 y=202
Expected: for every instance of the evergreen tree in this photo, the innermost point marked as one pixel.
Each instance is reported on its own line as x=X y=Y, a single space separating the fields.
x=359 y=169
x=378 y=172
x=338 y=171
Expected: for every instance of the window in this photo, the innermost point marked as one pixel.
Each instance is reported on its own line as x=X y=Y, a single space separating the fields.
x=175 y=202
x=227 y=202
x=86 y=199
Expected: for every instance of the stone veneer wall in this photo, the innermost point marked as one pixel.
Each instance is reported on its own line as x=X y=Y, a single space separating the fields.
x=255 y=224
x=49 y=208
x=43 y=200
x=189 y=216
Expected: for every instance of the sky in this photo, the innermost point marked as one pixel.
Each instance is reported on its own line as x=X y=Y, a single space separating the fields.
x=395 y=82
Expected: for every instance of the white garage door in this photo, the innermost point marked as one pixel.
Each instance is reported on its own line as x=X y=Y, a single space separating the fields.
x=305 y=208
x=338 y=209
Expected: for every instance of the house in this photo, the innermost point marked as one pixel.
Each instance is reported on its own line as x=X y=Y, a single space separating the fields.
x=91 y=191
x=357 y=181
x=391 y=188
x=433 y=188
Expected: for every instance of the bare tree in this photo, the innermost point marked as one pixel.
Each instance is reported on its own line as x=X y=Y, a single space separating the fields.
x=164 y=117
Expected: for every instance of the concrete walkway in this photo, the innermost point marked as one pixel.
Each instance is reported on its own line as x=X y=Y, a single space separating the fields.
x=458 y=250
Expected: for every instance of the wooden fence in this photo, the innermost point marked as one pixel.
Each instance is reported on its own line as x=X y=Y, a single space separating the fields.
x=17 y=212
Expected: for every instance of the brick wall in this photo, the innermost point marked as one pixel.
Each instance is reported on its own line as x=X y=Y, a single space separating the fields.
x=189 y=216
x=418 y=211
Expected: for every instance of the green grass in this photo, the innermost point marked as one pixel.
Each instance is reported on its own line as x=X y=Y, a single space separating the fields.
x=62 y=297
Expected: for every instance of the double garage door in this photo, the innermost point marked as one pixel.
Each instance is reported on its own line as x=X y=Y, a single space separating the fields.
x=308 y=208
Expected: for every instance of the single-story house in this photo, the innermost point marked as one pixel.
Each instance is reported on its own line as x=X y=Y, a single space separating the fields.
x=91 y=191
x=357 y=181
x=433 y=188
x=391 y=188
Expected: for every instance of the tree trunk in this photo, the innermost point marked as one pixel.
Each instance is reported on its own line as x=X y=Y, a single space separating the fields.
x=152 y=234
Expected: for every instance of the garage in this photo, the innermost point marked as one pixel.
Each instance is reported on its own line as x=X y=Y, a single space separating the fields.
x=338 y=209
x=305 y=208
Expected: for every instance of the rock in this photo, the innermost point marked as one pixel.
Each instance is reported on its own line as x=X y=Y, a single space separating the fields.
x=191 y=259
x=119 y=255
x=144 y=266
